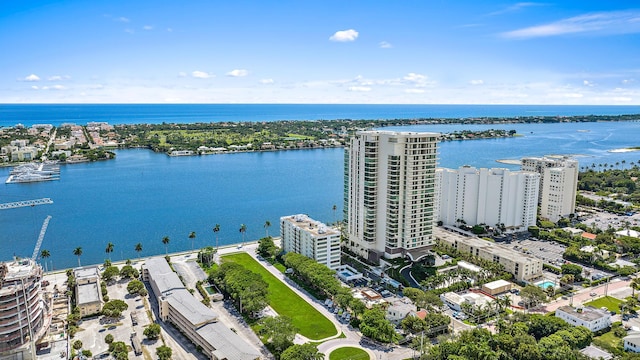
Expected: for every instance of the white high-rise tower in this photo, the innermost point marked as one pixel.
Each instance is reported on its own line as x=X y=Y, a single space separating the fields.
x=558 y=185
x=389 y=193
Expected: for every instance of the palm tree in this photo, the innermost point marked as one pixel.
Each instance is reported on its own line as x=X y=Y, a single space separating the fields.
x=216 y=230
x=243 y=230
x=138 y=249
x=334 y=208
x=635 y=285
x=77 y=252
x=192 y=235
x=165 y=241
x=109 y=250
x=267 y=224
x=45 y=254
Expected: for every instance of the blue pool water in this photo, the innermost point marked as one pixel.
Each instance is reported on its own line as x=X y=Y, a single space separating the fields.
x=545 y=284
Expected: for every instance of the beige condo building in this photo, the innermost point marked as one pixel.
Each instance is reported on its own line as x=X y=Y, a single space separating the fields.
x=389 y=193
x=524 y=267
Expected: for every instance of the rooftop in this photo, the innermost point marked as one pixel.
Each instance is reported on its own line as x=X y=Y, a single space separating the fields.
x=228 y=345
x=497 y=284
x=164 y=277
x=88 y=293
x=316 y=228
x=587 y=313
x=193 y=310
x=86 y=272
x=487 y=246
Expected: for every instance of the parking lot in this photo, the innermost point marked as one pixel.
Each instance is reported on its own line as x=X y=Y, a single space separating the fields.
x=93 y=330
x=549 y=252
x=602 y=220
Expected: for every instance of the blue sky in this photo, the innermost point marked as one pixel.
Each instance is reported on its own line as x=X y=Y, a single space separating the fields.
x=422 y=52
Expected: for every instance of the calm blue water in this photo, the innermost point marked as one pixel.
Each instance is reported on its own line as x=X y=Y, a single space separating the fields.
x=10 y=114
x=143 y=196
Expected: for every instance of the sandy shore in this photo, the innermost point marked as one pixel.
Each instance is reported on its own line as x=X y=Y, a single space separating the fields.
x=624 y=150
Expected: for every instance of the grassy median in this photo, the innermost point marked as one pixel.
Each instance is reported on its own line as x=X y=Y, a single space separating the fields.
x=309 y=321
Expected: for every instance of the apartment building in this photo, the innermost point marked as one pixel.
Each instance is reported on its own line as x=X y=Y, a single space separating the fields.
x=389 y=193
x=494 y=197
x=195 y=320
x=88 y=292
x=313 y=239
x=24 y=313
x=591 y=318
x=558 y=185
x=524 y=267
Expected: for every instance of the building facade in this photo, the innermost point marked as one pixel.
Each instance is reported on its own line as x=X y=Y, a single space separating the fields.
x=558 y=185
x=313 y=239
x=389 y=193
x=524 y=267
x=591 y=318
x=494 y=197
x=24 y=314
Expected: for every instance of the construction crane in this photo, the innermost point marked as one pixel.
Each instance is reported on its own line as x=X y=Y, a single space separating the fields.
x=17 y=204
x=43 y=230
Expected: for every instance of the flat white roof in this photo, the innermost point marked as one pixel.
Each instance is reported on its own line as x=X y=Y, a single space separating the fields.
x=496 y=284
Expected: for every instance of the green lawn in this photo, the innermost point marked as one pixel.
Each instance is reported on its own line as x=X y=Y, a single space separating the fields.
x=609 y=342
x=349 y=353
x=310 y=323
x=609 y=302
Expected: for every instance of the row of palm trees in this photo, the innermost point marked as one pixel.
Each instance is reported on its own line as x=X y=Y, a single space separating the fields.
x=45 y=254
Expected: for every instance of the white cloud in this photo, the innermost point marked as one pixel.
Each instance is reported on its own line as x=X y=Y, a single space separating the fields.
x=200 y=75
x=266 y=81
x=58 y=87
x=414 y=77
x=385 y=45
x=182 y=74
x=147 y=27
x=414 y=91
x=344 y=35
x=122 y=19
x=35 y=87
x=359 y=88
x=515 y=8
x=238 y=73
x=587 y=83
x=476 y=82
x=130 y=31
x=32 y=77
x=58 y=78
x=602 y=23
x=417 y=80
x=54 y=87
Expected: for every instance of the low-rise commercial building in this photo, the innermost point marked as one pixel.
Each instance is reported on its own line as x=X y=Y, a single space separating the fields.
x=196 y=321
x=591 y=318
x=524 y=267
x=455 y=301
x=496 y=287
x=399 y=309
x=88 y=292
x=313 y=239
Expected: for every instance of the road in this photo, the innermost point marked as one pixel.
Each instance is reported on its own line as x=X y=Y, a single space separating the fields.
x=584 y=295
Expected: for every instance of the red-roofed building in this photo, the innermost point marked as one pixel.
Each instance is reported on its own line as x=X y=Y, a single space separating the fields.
x=422 y=314
x=589 y=236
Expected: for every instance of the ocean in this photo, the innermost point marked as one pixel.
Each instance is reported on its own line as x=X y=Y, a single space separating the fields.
x=142 y=196
x=11 y=114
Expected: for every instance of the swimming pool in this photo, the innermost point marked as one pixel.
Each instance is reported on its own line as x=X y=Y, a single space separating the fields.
x=346 y=273
x=545 y=284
